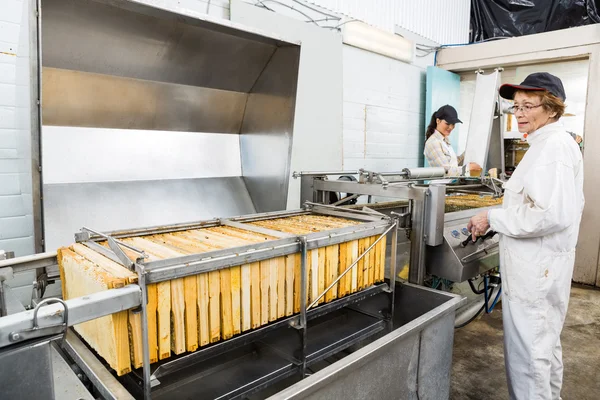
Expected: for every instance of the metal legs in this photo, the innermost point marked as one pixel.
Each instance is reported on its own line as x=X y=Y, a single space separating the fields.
x=393 y=263
x=303 y=308
x=147 y=384
x=416 y=273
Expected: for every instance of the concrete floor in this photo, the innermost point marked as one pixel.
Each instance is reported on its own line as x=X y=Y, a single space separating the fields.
x=478 y=367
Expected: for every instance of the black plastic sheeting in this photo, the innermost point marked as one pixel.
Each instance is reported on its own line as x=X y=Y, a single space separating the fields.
x=507 y=18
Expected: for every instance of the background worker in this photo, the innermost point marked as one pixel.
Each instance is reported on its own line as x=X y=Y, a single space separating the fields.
x=438 y=151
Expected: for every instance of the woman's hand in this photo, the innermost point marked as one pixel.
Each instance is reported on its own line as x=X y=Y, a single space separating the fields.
x=478 y=225
x=474 y=166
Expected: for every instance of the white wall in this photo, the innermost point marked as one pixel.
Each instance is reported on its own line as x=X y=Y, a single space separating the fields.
x=384 y=105
x=383 y=98
x=442 y=21
x=16 y=221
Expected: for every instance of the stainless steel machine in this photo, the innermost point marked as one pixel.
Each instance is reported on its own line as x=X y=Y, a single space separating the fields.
x=327 y=351
x=440 y=244
x=132 y=80
x=391 y=323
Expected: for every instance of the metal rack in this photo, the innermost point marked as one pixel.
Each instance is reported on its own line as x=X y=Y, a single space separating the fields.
x=149 y=272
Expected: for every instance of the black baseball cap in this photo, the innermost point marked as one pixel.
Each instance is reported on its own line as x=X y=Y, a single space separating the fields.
x=448 y=114
x=536 y=82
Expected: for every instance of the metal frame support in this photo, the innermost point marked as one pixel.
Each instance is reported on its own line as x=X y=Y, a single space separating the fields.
x=416 y=272
x=147 y=382
x=393 y=265
x=121 y=257
x=303 y=293
x=3 y=307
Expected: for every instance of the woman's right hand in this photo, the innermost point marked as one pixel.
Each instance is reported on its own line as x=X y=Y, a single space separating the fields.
x=474 y=166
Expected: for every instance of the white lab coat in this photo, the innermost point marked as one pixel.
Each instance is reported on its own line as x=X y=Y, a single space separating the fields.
x=539 y=226
x=453 y=163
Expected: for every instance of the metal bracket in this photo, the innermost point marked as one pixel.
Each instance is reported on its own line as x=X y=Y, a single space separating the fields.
x=403 y=219
x=85 y=235
x=5 y=274
x=6 y=255
x=36 y=331
x=370 y=213
x=39 y=287
x=254 y=228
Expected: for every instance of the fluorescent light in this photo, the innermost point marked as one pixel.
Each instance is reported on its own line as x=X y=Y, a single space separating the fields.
x=363 y=36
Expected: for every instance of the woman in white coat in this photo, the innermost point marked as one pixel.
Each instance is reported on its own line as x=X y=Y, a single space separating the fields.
x=438 y=151
x=538 y=227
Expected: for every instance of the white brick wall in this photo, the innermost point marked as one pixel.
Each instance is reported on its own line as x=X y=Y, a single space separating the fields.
x=384 y=102
x=16 y=219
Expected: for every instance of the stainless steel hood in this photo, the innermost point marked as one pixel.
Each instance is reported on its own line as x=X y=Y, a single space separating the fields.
x=158 y=60
x=126 y=66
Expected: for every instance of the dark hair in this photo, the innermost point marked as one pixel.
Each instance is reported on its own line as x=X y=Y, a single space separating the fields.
x=432 y=126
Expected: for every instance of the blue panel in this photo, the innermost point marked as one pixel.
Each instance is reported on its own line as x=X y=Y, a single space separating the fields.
x=443 y=87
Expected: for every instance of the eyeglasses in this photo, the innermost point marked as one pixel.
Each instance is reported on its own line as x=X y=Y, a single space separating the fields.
x=524 y=108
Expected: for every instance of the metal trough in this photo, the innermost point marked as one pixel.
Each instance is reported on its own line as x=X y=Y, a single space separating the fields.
x=413 y=360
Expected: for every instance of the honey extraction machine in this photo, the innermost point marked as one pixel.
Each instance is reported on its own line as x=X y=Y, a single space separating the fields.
x=294 y=304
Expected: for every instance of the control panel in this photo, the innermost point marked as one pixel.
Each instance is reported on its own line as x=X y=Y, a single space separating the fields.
x=459 y=239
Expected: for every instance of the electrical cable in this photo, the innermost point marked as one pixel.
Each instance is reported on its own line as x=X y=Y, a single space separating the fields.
x=470 y=319
x=495 y=300
x=476 y=291
x=345 y=22
x=316 y=10
x=310 y=19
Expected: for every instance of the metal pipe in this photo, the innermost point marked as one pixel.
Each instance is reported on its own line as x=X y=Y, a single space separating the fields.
x=345 y=199
x=425 y=173
x=351 y=266
x=296 y=175
x=400 y=173
x=40 y=242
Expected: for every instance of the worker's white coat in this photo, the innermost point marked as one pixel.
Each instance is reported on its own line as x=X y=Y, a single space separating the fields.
x=539 y=226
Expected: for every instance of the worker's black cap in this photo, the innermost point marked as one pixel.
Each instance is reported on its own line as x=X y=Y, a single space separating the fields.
x=536 y=82
x=448 y=114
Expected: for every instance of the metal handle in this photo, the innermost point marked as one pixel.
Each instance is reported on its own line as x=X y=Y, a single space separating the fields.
x=50 y=301
x=36 y=331
x=485 y=249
